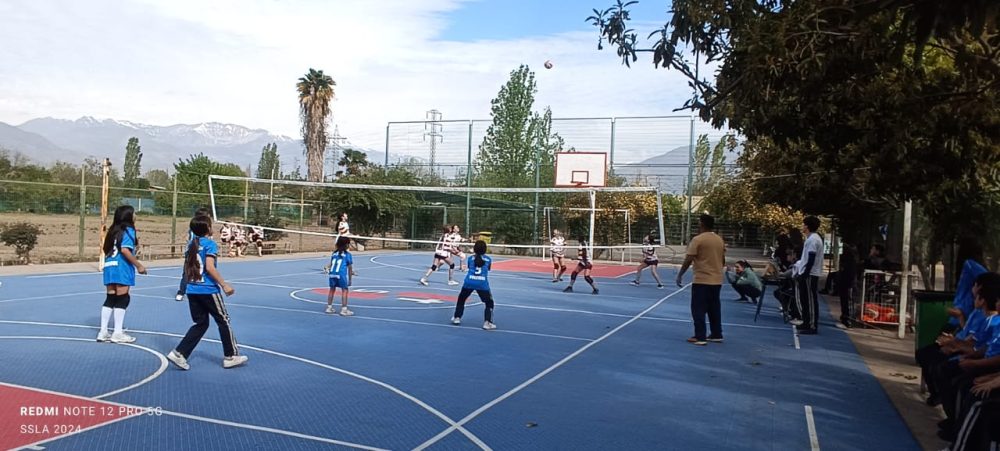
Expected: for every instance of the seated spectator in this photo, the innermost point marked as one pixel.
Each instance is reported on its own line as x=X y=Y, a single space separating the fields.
x=964 y=294
x=745 y=281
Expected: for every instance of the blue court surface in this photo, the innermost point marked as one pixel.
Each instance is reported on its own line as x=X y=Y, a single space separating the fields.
x=567 y=371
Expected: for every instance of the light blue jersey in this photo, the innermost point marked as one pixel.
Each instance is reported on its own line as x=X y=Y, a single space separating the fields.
x=117 y=270
x=339 y=267
x=478 y=277
x=203 y=283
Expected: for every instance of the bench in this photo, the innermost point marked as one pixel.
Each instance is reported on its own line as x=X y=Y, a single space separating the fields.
x=276 y=247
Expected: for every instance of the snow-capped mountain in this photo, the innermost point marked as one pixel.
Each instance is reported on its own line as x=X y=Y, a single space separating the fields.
x=161 y=145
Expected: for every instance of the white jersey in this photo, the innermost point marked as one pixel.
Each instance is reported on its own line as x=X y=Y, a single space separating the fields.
x=558 y=246
x=343 y=228
x=649 y=253
x=443 y=248
x=257 y=234
x=240 y=236
x=454 y=240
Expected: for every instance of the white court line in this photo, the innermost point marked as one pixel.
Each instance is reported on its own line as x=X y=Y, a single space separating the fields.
x=156 y=374
x=295 y=295
x=542 y=374
x=387 y=320
x=298 y=260
x=391 y=388
x=69 y=274
x=80 y=293
x=620 y=315
x=795 y=337
x=813 y=438
x=141 y=411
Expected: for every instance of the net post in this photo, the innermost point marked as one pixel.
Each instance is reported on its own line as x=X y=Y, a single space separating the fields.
x=211 y=196
x=246 y=199
x=593 y=214
x=106 y=171
x=173 y=215
x=83 y=210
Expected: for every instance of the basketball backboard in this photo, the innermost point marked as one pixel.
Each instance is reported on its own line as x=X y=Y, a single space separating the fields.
x=581 y=169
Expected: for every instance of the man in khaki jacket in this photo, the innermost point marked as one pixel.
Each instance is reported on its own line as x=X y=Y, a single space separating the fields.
x=707 y=252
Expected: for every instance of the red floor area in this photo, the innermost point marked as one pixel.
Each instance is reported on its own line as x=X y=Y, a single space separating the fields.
x=29 y=416
x=545 y=267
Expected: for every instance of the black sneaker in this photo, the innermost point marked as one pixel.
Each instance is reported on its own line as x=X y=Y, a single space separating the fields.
x=715 y=339
x=568 y=290
x=807 y=331
x=595 y=291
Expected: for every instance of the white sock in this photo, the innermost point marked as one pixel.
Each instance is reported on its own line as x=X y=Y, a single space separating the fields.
x=105 y=318
x=119 y=320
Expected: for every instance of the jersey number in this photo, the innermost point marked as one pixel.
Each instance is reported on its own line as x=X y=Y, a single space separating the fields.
x=335 y=264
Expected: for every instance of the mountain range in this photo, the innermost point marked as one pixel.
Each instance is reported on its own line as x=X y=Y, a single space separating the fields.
x=47 y=140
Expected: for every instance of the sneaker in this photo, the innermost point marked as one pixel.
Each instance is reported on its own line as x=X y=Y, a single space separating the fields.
x=234 y=361
x=489 y=326
x=556 y=280
x=634 y=282
x=178 y=360
x=456 y=320
x=696 y=341
x=715 y=340
x=659 y=286
x=122 y=338
x=423 y=281
x=345 y=312
x=103 y=337
x=330 y=310
x=452 y=282
x=568 y=290
x=595 y=291
x=326 y=269
x=180 y=296
x=795 y=322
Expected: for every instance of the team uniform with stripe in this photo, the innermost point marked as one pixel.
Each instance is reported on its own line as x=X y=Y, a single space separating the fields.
x=476 y=279
x=118 y=270
x=205 y=299
x=443 y=248
x=583 y=258
x=649 y=255
x=339 y=263
x=557 y=247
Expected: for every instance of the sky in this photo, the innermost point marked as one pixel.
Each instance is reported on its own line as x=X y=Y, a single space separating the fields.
x=237 y=61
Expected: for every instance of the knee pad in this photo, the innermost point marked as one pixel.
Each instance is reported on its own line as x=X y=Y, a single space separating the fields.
x=434 y=267
x=109 y=300
x=123 y=301
x=451 y=265
x=572 y=276
x=589 y=279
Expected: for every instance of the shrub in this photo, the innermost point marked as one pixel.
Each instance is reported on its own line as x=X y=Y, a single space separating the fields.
x=23 y=236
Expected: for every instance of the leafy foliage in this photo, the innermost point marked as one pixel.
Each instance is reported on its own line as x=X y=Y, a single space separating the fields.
x=23 y=236
x=372 y=211
x=315 y=94
x=269 y=166
x=353 y=161
x=133 y=163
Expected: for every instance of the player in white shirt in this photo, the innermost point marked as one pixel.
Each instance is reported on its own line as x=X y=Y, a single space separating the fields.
x=650 y=260
x=226 y=235
x=558 y=249
x=456 y=245
x=257 y=238
x=239 y=242
x=584 y=265
x=442 y=254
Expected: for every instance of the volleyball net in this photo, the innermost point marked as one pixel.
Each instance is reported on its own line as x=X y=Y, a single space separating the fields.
x=516 y=221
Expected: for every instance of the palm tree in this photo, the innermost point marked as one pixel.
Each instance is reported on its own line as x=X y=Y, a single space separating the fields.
x=353 y=161
x=315 y=94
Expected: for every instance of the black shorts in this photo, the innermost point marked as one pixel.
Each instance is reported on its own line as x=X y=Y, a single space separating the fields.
x=651 y=262
x=225 y=240
x=585 y=265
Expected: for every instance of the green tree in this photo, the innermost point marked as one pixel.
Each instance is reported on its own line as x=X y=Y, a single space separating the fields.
x=701 y=169
x=315 y=94
x=373 y=211
x=873 y=104
x=269 y=166
x=353 y=161
x=192 y=177
x=133 y=163
x=717 y=173
x=23 y=236
x=159 y=177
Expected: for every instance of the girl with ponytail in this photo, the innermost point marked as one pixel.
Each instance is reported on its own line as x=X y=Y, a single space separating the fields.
x=120 y=266
x=477 y=279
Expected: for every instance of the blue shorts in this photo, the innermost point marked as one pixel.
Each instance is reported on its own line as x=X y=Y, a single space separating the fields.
x=338 y=282
x=122 y=274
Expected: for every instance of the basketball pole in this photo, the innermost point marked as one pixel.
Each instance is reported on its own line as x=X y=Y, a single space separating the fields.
x=593 y=211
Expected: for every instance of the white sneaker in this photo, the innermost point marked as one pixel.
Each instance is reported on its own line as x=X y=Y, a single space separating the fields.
x=177 y=359
x=452 y=282
x=489 y=326
x=456 y=320
x=423 y=281
x=635 y=282
x=234 y=361
x=345 y=312
x=330 y=309
x=795 y=322
x=122 y=338
x=179 y=297
x=103 y=337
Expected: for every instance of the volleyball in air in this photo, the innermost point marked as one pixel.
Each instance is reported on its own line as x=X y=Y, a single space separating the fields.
x=548 y=64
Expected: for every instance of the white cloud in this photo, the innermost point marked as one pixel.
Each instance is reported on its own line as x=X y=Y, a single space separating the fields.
x=237 y=61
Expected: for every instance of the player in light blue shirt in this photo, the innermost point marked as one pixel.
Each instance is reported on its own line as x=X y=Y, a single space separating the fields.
x=477 y=279
x=120 y=266
x=341 y=275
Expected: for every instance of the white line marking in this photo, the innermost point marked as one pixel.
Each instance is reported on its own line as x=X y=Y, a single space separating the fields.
x=181 y=415
x=795 y=337
x=813 y=438
x=542 y=374
x=386 y=320
x=69 y=274
x=156 y=374
x=295 y=295
x=80 y=293
x=407 y=396
x=620 y=315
